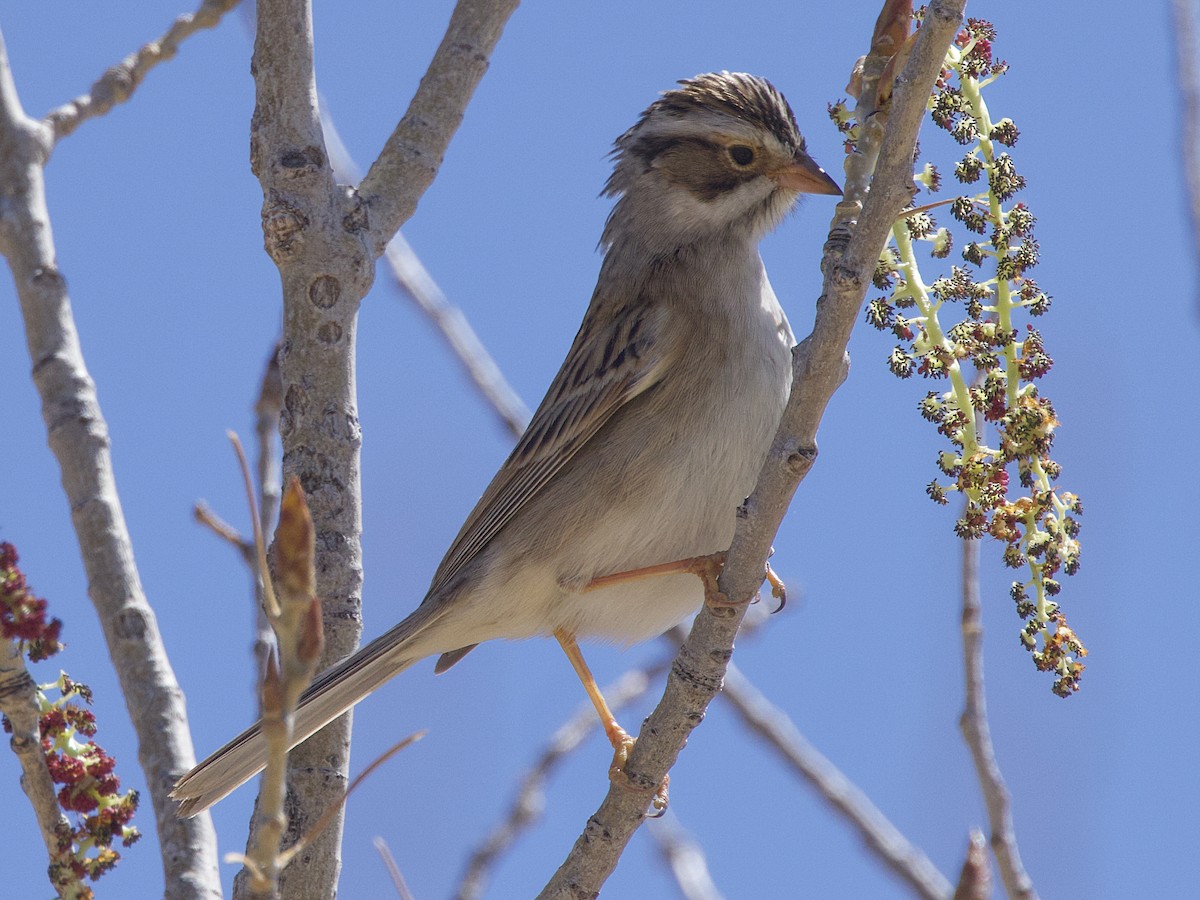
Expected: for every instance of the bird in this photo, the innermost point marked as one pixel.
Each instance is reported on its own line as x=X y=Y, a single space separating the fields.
x=650 y=436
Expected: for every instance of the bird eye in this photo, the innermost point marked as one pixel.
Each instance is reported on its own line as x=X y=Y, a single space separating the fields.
x=741 y=154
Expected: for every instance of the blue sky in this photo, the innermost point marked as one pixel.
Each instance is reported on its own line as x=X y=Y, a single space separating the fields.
x=156 y=218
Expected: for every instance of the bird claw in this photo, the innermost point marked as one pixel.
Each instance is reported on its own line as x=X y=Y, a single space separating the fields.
x=661 y=798
x=778 y=588
x=622 y=745
x=707 y=568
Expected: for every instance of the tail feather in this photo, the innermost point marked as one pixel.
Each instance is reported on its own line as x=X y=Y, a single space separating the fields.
x=332 y=693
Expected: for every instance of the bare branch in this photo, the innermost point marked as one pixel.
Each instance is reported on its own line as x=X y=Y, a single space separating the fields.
x=880 y=835
x=313 y=232
x=414 y=279
x=819 y=366
x=18 y=702
x=78 y=437
x=530 y=799
x=325 y=239
x=119 y=82
x=413 y=153
x=685 y=859
x=977 y=734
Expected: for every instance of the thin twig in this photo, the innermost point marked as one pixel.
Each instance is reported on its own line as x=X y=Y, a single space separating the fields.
x=412 y=155
x=18 y=702
x=307 y=839
x=1188 y=76
x=268 y=407
x=270 y=603
x=529 y=801
x=413 y=279
x=819 y=366
x=685 y=860
x=204 y=515
x=394 y=872
x=530 y=798
x=977 y=734
x=772 y=724
x=119 y=82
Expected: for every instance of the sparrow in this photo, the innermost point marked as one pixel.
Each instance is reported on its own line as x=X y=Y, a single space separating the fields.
x=648 y=439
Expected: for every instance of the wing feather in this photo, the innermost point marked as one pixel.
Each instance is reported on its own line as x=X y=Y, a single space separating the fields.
x=614 y=358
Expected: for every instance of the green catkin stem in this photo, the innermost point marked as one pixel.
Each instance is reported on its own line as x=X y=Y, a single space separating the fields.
x=918 y=290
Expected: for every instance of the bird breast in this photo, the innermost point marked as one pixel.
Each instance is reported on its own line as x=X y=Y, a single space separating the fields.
x=659 y=482
x=673 y=482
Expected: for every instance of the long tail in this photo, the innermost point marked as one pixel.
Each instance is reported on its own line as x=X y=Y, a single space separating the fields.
x=333 y=692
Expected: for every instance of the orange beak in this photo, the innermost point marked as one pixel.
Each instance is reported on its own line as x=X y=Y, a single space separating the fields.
x=803 y=174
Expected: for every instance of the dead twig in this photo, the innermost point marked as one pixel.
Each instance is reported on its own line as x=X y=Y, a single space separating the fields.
x=411 y=276
x=118 y=82
x=884 y=840
x=976 y=732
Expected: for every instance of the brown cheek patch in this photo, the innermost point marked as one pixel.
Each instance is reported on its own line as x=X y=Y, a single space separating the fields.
x=701 y=169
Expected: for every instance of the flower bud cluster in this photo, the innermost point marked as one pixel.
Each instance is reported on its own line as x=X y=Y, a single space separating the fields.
x=989 y=361
x=90 y=788
x=22 y=614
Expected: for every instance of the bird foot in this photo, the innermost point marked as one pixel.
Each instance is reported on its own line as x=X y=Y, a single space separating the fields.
x=708 y=568
x=623 y=743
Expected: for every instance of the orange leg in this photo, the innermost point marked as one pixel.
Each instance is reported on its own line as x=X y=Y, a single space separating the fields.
x=706 y=568
x=620 y=739
x=617 y=736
